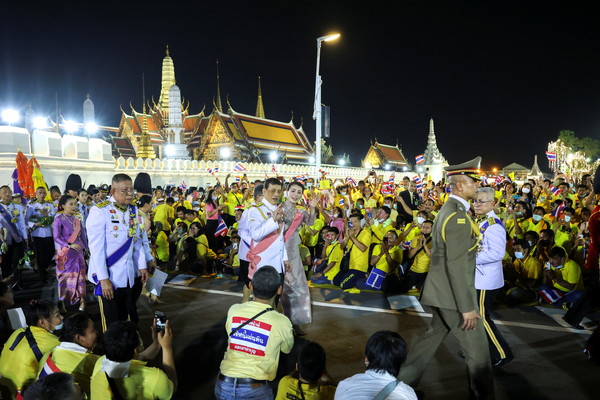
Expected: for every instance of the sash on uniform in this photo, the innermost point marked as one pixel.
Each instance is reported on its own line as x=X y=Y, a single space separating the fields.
x=12 y=228
x=117 y=255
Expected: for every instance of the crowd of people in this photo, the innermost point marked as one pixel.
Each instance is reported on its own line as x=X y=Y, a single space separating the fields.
x=533 y=243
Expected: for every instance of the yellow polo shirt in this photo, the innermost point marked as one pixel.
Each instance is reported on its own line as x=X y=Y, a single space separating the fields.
x=382 y=264
x=359 y=260
x=335 y=254
x=530 y=267
x=253 y=351
x=142 y=383
x=422 y=260
x=571 y=272
x=75 y=360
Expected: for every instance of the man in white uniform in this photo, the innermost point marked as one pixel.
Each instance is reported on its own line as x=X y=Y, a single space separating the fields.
x=117 y=261
x=14 y=239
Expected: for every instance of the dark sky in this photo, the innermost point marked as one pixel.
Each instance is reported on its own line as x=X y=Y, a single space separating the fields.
x=500 y=79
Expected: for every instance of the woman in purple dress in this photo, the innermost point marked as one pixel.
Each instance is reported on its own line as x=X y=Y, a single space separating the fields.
x=71 y=242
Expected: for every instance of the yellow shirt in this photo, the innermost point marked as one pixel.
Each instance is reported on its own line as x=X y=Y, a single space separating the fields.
x=163 y=213
x=382 y=264
x=202 y=247
x=253 y=351
x=162 y=246
x=234 y=200
x=288 y=389
x=422 y=260
x=359 y=260
x=75 y=360
x=311 y=240
x=19 y=367
x=334 y=254
x=570 y=273
x=530 y=267
x=380 y=230
x=142 y=383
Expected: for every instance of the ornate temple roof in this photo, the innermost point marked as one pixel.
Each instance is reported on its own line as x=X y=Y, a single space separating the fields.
x=432 y=154
x=380 y=154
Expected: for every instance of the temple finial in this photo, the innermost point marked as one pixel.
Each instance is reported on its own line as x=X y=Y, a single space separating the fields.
x=260 y=109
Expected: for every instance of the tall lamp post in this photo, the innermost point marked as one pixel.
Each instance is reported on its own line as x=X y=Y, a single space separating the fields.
x=317 y=114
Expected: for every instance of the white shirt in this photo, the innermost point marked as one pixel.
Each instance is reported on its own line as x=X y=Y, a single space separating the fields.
x=366 y=386
x=34 y=212
x=245 y=237
x=107 y=230
x=260 y=224
x=488 y=265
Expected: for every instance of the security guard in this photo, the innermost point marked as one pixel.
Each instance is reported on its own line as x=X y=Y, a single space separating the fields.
x=117 y=264
x=450 y=287
x=14 y=241
x=489 y=278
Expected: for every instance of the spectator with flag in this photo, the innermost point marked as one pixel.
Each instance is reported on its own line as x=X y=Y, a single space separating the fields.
x=213 y=209
x=74 y=353
x=234 y=198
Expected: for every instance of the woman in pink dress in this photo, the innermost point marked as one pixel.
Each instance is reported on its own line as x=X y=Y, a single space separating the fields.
x=71 y=242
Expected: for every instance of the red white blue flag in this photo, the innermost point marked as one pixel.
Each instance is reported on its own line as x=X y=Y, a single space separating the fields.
x=221 y=228
x=419 y=159
x=239 y=167
x=49 y=367
x=551 y=156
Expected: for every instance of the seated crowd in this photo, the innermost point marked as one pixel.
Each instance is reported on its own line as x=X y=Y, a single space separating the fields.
x=369 y=235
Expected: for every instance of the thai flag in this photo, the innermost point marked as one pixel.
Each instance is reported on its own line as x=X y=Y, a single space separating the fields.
x=216 y=168
x=559 y=210
x=551 y=295
x=221 y=228
x=551 y=156
x=391 y=178
x=322 y=171
x=238 y=179
x=351 y=180
x=555 y=191
x=387 y=189
x=49 y=367
x=210 y=171
x=324 y=201
x=239 y=167
x=299 y=178
x=183 y=186
x=342 y=202
x=499 y=179
x=305 y=198
x=419 y=159
x=418 y=182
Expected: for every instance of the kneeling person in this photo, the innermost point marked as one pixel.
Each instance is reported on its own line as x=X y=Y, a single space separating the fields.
x=257 y=334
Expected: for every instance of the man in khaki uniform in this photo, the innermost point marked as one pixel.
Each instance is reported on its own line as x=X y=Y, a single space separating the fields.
x=450 y=288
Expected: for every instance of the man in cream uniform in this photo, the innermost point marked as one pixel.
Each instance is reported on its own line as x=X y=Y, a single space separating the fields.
x=265 y=219
x=117 y=261
x=489 y=278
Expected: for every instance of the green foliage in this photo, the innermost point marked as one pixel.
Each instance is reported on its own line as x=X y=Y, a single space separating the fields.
x=588 y=146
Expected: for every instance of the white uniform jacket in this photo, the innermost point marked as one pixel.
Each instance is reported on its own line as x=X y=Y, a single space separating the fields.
x=488 y=268
x=108 y=228
x=260 y=224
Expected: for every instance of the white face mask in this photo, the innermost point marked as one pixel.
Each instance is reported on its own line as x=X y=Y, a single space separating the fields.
x=343 y=193
x=215 y=198
x=537 y=217
x=526 y=190
x=335 y=215
x=420 y=220
x=519 y=255
x=176 y=198
x=567 y=218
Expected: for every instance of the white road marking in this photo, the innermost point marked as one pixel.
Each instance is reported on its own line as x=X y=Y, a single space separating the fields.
x=388 y=311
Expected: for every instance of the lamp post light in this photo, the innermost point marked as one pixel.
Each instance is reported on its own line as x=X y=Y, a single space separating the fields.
x=273 y=156
x=90 y=128
x=225 y=153
x=10 y=116
x=71 y=127
x=317 y=114
x=40 y=122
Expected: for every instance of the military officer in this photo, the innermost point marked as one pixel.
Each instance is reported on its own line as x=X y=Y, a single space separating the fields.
x=450 y=287
x=14 y=239
x=489 y=278
x=117 y=262
x=39 y=220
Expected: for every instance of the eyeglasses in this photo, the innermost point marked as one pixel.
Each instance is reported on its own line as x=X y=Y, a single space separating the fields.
x=127 y=192
x=482 y=202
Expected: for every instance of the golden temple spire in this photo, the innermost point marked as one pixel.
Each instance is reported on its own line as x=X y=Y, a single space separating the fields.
x=145 y=149
x=218 y=101
x=260 y=110
x=168 y=80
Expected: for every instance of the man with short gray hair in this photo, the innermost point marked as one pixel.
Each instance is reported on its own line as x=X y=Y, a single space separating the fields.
x=489 y=278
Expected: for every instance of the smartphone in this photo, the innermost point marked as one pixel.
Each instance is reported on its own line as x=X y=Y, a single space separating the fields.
x=350 y=224
x=370 y=214
x=548 y=266
x=235 y=245
x=161 y=320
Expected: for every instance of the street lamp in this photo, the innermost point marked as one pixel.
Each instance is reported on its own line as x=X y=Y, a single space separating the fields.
x=273 y=156
x=10 y=116
x=91 y=128
x=317 y=114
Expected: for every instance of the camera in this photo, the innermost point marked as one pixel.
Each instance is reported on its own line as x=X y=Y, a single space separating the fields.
x=161 y=321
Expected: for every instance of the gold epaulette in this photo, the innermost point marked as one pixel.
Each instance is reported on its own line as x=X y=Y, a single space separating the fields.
x=491 y=220
x=102 y=204
x=256 y=205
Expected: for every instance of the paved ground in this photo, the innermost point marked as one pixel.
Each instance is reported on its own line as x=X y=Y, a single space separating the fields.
x=549 y=361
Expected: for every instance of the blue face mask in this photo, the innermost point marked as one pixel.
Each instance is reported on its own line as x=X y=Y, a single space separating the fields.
x=519 y=255
x=58 y=327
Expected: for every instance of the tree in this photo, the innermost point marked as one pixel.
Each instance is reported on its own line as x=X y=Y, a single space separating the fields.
x=588 y=146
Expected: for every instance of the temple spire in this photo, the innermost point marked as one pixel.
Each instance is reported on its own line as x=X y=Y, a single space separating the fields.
x=431 y=130
x=168 y=80
x=260 y=110
x=432 y=154
x=218 y=101
x=145 y=149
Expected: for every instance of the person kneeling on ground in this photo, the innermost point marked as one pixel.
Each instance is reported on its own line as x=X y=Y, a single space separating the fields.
x=25 y=348
x=257 y=335
x=385 y=261
x=310 y=380
x=119 y=375
x=74 y=354
x=384 y=354
x=358 y=241
x=333 y=255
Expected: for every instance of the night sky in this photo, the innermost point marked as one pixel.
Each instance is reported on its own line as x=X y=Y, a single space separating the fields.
x=500 y=79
